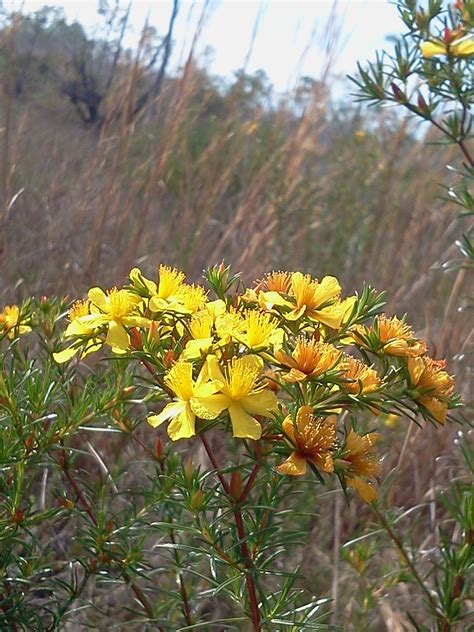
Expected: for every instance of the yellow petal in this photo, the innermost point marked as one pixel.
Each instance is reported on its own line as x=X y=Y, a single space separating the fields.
x=65 y=354
x=463 y=48
x=243 y=425
x=209 y=407
x=169 y=411
x=183 y=426
x=436 y=407
x=97 y=296
x=416 y=366
x=137 y=278
x=196 y=348
x=214 y=370
x=289 y=429
x=431 y=49
x=295 y=465
x=366 y=491
x=261 y=403
x=117 y=336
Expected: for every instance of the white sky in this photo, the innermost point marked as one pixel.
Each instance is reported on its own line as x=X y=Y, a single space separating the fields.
x=286 y=27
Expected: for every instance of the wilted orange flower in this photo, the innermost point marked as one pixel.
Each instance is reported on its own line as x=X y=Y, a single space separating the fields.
x=310 y=358
x=394 y=336
x=360 y=460
x=433 y=386
x=313 y=441
x=360 y=378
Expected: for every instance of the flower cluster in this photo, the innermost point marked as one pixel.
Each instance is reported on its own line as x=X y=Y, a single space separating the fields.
x=288 y=361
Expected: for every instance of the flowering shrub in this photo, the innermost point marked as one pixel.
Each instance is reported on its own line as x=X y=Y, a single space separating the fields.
x=281 y=380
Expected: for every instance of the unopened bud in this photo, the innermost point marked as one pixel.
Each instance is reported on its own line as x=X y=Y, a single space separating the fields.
x=168 y=358
x=18 y=516
x=188 y=470
x=159 y=451
x=197 y=500
x=153 y=332
x=135 y=339
x=397 y=93
x=236 y=484
x=221 y=267
x=128 y=390
x=448 y=35
x=422 y=105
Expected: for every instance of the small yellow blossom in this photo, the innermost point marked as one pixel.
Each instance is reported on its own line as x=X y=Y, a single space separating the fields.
x=243 y=394
x=116 y=310
x=312 y=441
x=460 y=47
x=310 y=358
x=192 y=399
x=10 y=322
x=433 y=386
x=359 y=378
x=170 y=282
x=360 y=460
x=192 y=298
x=259 y=330
x=201 y=329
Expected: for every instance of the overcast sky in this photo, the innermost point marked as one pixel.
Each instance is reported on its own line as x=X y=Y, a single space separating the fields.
x=286 y=30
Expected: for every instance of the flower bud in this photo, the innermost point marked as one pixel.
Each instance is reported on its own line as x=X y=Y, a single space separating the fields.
x=159 y=451
x=448 y=35
x=188 y=470
x=135 y=339
x=397 y=93
x=197 y=501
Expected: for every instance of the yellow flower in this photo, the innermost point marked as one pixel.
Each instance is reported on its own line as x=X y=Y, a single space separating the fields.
x=115 y=310
x=393 y=335
x=313 y=441
x=433 y=385
x=201 y=329
x=310 y=358
x=460 y=47
x=258 y=330
x=192 y=399
x=229 y=325
x=360 y=460
x=75 y=328
x=242 y=393
x=170 y=283
x=10 y=322
x=300 y=295
x=191 y=298
x=360 y=379
x=311 y=296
